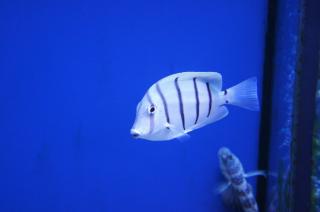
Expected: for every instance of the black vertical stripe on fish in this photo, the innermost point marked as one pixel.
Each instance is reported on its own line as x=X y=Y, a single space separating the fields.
x=180 y=102
x=197 y=98
x=210 y=98
x=151 y=117
x=164 y=101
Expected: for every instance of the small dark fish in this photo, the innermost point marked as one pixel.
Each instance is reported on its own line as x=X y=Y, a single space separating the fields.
x=237 y=190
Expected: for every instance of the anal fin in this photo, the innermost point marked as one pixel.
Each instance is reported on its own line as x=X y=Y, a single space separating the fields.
x=219 y=114
x=223 y=187
x=182 y=136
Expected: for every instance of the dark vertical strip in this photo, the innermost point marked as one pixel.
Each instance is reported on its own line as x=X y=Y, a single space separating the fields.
x=210 y=98
x=165 y=105
x=266 y=106
x=197 y=98
x=305 y=105
x=151 y=116
x=180 y=102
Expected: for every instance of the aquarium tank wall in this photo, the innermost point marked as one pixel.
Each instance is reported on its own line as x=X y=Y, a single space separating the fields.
x=292 y=129
x=73 y=75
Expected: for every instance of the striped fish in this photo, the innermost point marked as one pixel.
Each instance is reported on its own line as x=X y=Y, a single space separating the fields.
x=183 y=102
x=237 y=190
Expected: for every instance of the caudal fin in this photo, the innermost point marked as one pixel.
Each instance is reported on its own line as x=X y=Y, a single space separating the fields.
x=244 y=94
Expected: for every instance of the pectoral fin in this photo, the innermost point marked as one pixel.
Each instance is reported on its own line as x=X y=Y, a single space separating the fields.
x=256 y=173
x=223 y=187
x=181 y=135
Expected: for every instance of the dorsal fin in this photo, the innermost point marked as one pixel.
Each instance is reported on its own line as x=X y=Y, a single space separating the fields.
x=214 y=78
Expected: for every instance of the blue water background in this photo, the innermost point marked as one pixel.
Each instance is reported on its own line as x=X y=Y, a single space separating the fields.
x=71 y=75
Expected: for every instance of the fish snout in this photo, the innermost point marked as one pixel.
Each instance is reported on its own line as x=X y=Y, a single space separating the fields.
x=135 y=133
x=223 y=152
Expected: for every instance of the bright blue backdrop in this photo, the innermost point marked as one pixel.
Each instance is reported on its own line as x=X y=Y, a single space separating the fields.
x=71 y=74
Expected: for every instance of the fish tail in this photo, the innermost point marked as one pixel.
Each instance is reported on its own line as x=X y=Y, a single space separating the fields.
x=243 y=95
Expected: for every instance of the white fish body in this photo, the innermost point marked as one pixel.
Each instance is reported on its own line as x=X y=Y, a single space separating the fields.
x=182 y=102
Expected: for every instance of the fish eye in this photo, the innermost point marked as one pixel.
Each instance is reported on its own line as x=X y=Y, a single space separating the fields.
x=151 y=109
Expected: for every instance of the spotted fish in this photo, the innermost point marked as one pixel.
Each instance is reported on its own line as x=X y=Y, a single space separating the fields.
x=237 y=190
x=183 y=102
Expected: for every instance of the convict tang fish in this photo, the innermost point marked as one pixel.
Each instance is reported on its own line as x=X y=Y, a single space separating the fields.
x=182 y=102
x=237 y=190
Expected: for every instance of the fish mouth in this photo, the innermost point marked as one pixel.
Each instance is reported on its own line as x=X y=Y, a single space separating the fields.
x=223 y=152
x=135 y=133
x=225 y=155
